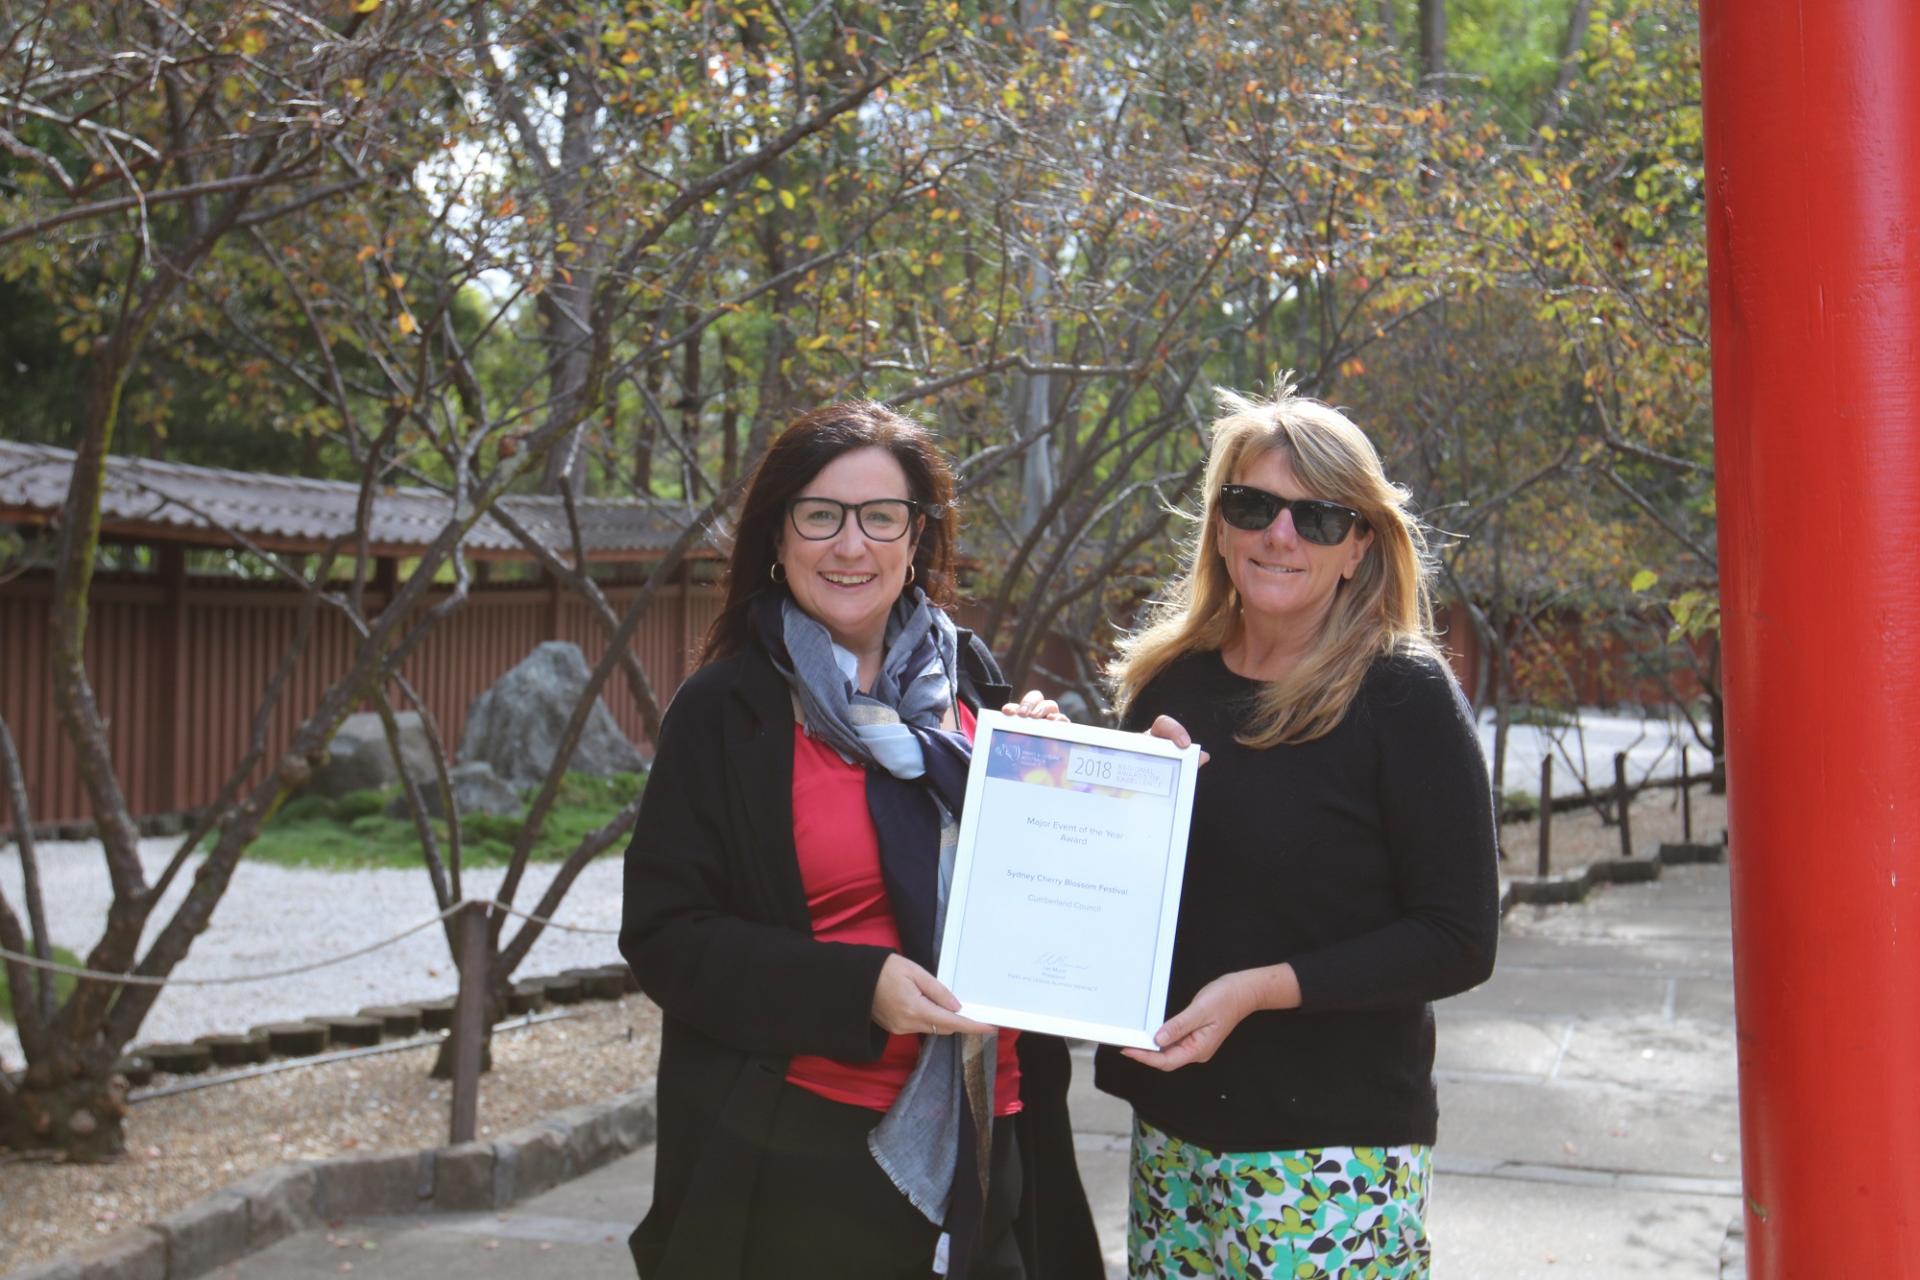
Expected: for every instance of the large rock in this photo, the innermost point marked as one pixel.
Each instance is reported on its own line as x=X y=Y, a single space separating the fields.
x=516 y=726
x=476 y=789
x=358 y=758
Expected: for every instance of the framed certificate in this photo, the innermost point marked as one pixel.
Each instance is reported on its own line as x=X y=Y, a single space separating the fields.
x=1066 y=882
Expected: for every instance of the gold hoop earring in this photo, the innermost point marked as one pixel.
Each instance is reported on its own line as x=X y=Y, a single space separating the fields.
x=910 y=576
x=776 y=572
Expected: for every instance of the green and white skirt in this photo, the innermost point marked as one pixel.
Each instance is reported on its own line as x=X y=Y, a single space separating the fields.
x=1343 y=1213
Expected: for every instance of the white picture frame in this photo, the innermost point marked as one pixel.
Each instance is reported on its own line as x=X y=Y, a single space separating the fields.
x=1066 y=881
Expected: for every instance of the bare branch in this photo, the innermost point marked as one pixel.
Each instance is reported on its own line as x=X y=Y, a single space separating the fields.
x=139 y=200
x=40 y=999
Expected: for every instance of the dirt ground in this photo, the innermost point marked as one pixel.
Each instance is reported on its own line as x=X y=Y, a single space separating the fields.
x=1580 y=837
x=183 y=1147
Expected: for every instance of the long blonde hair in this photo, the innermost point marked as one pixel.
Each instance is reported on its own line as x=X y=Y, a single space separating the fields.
x=1384 y=608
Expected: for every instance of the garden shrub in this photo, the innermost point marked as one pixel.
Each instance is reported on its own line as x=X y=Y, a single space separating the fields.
x=358 y=804
x=308 y=808
x=62 y=983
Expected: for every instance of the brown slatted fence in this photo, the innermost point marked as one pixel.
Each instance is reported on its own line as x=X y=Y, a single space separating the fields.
x=179 y=669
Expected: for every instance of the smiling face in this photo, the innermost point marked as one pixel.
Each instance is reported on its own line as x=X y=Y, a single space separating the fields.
x=1286 y=584
x=849 y=582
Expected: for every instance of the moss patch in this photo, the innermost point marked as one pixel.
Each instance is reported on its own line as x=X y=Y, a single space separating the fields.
x=62 y=983
x=354 y=832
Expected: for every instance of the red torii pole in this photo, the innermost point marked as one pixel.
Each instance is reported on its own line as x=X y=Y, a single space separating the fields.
x=1812 y=116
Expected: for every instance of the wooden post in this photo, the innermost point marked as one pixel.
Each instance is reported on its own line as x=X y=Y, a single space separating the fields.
x=469 y=1019
x=683 y=656
x=171 y=755
x=1626 y=803
x=1546 y=813
x=386 y=577
x=1686 y=799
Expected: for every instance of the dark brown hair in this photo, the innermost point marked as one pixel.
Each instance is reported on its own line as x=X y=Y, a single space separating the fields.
x=808 y=444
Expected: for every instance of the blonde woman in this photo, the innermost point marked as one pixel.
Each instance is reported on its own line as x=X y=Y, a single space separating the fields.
x=1340 y=875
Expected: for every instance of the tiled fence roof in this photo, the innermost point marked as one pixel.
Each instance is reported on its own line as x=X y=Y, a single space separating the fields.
x=170 y=501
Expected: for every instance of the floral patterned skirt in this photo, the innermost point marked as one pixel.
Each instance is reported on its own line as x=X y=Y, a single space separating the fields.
x=1343 y=1213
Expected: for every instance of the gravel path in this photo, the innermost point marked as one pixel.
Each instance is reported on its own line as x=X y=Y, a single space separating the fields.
x=275 y=917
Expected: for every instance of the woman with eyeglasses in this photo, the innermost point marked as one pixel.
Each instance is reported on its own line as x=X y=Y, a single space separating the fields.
x=823 y=1110
x=1340 y=872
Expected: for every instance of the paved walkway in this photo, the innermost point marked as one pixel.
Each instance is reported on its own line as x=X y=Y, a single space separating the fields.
x=1588 y=1124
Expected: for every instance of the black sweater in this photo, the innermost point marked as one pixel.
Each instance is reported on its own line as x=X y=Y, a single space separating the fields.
x=715 y=926
x=1366 y=858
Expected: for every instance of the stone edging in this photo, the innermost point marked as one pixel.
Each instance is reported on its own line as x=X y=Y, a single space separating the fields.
x=527 y=995
x=270 y=1206
x=1573 y=886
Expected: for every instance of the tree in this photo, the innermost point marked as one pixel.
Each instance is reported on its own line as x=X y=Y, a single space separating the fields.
x=191 y=129
x=1555 y=406
x=1611 y=251
x=1170 y=206
x=324 y=195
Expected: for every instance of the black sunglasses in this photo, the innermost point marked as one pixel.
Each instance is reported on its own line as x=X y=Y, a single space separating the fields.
x=882 y=519
x=1323 y=523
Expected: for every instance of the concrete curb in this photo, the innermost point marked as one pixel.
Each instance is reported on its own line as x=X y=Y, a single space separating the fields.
x=1574 y=886
x=279 y=1202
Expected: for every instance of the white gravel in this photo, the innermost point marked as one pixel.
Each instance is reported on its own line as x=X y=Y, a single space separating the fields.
x=274 y=917
x=1652 y=747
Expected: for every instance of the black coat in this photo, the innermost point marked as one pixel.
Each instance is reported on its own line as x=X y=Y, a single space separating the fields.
x=715 y=926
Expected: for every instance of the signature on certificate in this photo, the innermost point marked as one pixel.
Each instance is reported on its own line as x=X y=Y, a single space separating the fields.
x=1057 y=964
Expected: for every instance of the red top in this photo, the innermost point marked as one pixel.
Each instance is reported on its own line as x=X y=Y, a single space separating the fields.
x=840 y=869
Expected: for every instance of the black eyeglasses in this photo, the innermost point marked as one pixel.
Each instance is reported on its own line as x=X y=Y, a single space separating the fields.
x=882 y=519
x=1323 y=523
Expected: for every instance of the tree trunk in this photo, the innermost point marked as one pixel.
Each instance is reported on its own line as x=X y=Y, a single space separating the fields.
x=1433 y=43
x=1502 y=719
x=1033 y=392
x=1493 y=689
x=1717 y=717
x=1572 y=37
x=566 y=309
x=74 y=1105
x=443 y=1056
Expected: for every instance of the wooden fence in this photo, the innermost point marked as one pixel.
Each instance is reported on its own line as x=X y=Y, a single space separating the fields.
x=179 y=668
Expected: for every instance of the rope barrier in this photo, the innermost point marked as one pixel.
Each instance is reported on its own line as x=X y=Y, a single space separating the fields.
x=552 y=924
x=134 y=979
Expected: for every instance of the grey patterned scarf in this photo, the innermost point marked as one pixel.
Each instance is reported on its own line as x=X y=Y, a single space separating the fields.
x=895 y=729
